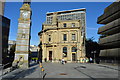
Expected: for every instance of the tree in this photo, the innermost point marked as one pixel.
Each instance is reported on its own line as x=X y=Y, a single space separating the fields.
x=12 y=53
x=92 y=48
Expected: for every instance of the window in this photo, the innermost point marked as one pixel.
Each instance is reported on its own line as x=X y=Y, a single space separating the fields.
x=23 y=36
x=74 y=49
x=64 y=51
x=64 y=37
x=73 y=24
x=73 y=37
x=49 y=39
x=64 y=25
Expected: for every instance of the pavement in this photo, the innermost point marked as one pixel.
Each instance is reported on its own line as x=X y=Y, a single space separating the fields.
x=69 y=70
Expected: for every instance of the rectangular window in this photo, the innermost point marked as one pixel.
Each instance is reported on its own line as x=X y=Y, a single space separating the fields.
x=73 y=37
x=73 y=24
x=64 y=25
x=49 y=39
x=64 y=37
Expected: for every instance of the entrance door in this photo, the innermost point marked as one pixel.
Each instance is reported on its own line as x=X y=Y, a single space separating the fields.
x=73 y=57
x=50 y=55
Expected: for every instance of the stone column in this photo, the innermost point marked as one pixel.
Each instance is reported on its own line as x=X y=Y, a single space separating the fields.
x=69 y=56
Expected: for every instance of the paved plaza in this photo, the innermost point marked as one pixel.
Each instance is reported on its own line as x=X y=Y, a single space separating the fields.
x=69 y=70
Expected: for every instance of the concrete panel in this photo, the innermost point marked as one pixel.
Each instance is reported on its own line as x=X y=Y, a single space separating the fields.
x=109 y=11
x=109 y=18
x=110 y=28
x=110 y=39
x=115 y=52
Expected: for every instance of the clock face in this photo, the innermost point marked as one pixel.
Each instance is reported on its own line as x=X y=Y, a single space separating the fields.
x=25 y=14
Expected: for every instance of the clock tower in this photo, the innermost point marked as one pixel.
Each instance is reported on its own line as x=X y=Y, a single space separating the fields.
x=23 y=37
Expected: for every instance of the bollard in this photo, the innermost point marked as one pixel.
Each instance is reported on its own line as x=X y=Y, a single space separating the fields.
x=42 y=73
x=42 y=69
x=40 y=65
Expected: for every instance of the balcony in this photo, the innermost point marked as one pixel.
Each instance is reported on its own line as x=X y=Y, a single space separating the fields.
x=111 y=13
x=110 y=28
x=110 y=40
x=110 y=52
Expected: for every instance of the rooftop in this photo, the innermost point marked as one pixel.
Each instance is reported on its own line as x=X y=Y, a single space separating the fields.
x=67 y=11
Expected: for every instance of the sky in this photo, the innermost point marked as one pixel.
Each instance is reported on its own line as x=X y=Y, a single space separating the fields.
x=39 y=10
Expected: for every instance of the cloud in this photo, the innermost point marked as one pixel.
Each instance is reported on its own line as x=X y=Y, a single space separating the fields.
x=92 y=28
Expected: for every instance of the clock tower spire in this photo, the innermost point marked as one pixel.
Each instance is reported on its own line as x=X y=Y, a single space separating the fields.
x=23 y=36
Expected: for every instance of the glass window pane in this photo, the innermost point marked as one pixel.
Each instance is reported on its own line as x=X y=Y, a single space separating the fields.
x=73 y=36
x=74 y=49
x=64 y=25
x=64 y=37
x=73 y=24
x=64 y=51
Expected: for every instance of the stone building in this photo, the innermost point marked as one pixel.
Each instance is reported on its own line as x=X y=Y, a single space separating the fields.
x=2 y=4
x=110 y=33
x=63 y=36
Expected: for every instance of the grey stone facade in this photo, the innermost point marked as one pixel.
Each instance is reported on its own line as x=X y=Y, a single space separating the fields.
x=110 y=33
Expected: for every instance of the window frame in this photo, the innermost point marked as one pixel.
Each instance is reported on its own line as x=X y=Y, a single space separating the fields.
x=73 y=37
x=65 y=51
x=64 y=25
x=49 y=38
x=72 y=25
x=64 y=37
x=73 y=49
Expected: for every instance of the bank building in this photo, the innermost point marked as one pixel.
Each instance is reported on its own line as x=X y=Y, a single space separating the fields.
x=63 y=36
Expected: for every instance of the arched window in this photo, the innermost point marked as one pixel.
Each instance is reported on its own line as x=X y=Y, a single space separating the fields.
x=74 y=49
x=64 y=51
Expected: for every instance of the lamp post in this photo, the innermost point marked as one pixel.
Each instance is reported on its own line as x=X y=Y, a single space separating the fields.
x=93 y=52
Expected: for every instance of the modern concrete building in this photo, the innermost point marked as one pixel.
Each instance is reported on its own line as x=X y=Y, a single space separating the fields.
x=63 y=36
x=4 y=35
x=110 y=33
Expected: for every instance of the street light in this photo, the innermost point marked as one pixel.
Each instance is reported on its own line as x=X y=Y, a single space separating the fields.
x=93 y=52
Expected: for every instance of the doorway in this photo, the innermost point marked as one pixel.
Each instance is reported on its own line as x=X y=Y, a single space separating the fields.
x=50 y=55
x=73 y=57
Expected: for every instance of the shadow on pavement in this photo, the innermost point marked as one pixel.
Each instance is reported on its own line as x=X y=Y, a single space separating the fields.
x=23 y=73
x=33 y=64
x=26 y=72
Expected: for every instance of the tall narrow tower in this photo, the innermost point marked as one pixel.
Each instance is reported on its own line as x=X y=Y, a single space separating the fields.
x=23 y=36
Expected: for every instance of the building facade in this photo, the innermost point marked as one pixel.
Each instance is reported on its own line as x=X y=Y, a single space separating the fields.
x=10 y=44
x=110 y=33
x=34 y=52
x=4 y=35
x=2 y=4
x=63 y=36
